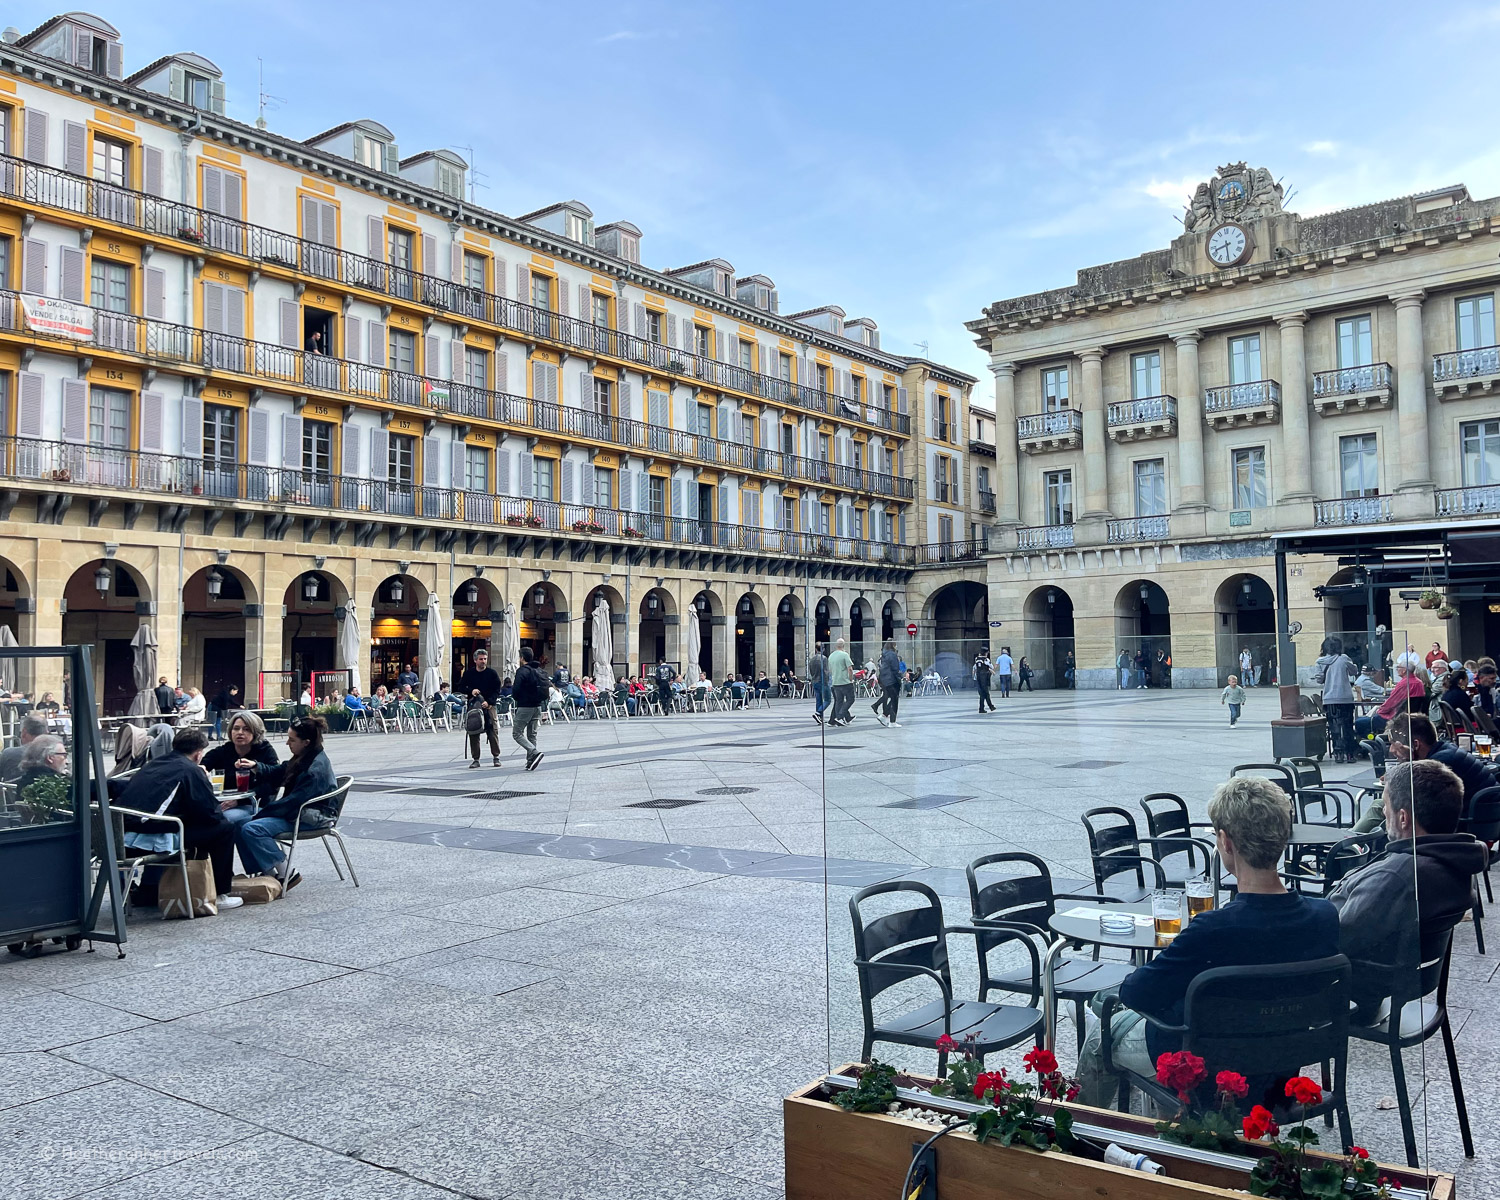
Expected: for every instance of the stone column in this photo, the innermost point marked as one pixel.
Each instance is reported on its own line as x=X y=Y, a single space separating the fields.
x=1007 y=482
x=1189 y=424
x=1411 y=392
x=1296 y=469
x=1095 y=443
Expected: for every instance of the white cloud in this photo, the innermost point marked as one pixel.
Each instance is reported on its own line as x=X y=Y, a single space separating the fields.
x=1325 y=148
x=622 y=35
x=1174 y=193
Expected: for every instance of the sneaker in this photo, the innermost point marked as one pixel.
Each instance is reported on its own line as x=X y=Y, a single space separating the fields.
x=881 y=718
x=818 y=717
x=497 y=761
x=531 y=763
x=292 y=882
x=474 y=765
x=224 y=902
x=895 y=725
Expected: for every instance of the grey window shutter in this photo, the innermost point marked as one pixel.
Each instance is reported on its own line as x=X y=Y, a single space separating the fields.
x=723 y=515
x=291 y=441
x=569 y=481
x=258 y=452
x=328 y=233
x=310 y=220
x=192 y=427
x=527 y=471
x=352 y=345
x=290 y=323
x=375 y=339
x=75 y=147
x=352 y=447
x=640 y=319
x=456 y=468
x=375 y=230
x=216 y=95
x=156 y=293
x=83 y=47
x=678 y=509
x=380 y=454
x=767 y=431
x=213 y=307
x=151 y=422
x=562 y=297
x=213 y=189
x=457 y=369
x=71 y=286
x=232 y=201
x=34 y=267
x=777 y=512
x=658 y=408
x=588 y=477
x=642 y=491
x=544 y=380
x=672 y=330
x=502 y=473
x=456 y=262
x=523 y=284
x=234 y=311
x=36 y=135
x=502 y=372
x=624 y=403
x=725 y=424
x=500 y=269
x=431 y=458
x=585 y=309
x=114 y=60
x=29 y=405
x=432 y=357
x=900 y=399
x=429 y=255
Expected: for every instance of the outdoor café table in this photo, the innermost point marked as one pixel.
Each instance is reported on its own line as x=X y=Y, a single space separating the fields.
x=1078 y=921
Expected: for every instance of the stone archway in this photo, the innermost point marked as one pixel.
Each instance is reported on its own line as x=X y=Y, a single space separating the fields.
x=658 y=630
x=315 y=602
x=892 y=620
x=544 y=615
x=18 y=614
x=860 y=630
x=396 y=613
x=958 y=614
x=751 y=636
x=828 y=621
x=1047 y=638
x=218 y=646
x=478 y=610
x=107 y=601
x=1245 y=619
x=791 y=635
x=1143 y=626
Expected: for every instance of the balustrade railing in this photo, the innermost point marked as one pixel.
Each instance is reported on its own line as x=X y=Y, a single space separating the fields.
x=1138 y=529
x=1352 y=379
x=1036 y=537
x=1352 y=510
x=1138 y=412
x=1050 y=424
x=1466 y=364
x=1261 y=393
x=1468 y=501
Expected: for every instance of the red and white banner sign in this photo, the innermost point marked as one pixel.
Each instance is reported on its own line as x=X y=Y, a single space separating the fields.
x=58 y=318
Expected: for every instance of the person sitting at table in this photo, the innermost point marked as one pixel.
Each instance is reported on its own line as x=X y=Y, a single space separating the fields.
x=738 y=689
x=1484 y=688
x=305 y=776
x=1414 y=739
x=1425 y=876
x=1408 y=685
x=205 y=828
x=762 y=686
x=623 y=698
x=352 y=700
x=1263 y=924
x=1456 y=693
x=33 y=726
x=48 y=704
x=132 y=750
x=161 y=740
x=193 y=712
x=575 y=695
x=45 y=785
x=1365 y=687
x=247 y=739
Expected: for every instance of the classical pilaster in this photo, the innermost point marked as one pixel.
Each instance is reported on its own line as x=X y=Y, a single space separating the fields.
x=1296 y=468
x=1411 y=392
x=1095 y=443
x=1007 y=481
x=1189 y=424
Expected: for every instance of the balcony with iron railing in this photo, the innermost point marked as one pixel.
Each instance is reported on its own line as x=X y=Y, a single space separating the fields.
x=176 y=478
x=943 y=491
x=1478 y=500
x=1352 y=389
x=1137 y=420
x=1044 y=537
x=930 y=554
x=192 y=351
x=1461 y=372
x=1257 y=403
x=1039 y=433
x=986 y=502
x=1352 y=510
x=1139 y=529
x=210 y=234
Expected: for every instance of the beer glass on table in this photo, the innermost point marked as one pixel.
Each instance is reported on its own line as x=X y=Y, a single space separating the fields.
x=1200 y=897
x=1482 y=745
x=1166 y=913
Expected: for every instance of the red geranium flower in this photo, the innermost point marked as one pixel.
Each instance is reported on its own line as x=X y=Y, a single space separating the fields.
x=946 y=1044
x=1181 y=1071
x=1232 y=1083
x=1304 y=1090
x=1358 y=1152
x=989 y=1081
x=1043 y=1062
x=1259 y=1124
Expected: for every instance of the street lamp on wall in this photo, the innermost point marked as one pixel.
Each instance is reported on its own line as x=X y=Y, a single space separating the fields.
x=215 y=583
x=539 y=597
x=311 y=585
x=471 y=593
x=102 y=578
x=396 y=591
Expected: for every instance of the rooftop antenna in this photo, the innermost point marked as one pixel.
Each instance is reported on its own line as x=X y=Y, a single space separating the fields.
x=266 y=99
x=923 y=347
x=475 y=175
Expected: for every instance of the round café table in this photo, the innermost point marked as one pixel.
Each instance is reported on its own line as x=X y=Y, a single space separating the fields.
x=1078 y=921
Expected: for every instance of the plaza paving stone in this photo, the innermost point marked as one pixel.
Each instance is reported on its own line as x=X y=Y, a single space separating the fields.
x=542 y=992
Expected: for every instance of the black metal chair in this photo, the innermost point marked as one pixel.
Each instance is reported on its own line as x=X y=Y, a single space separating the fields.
x=1308 y=773
x=333 y=805
x=1317 y=876
x=1281 y=775
x=1029 y=901
x=1116 y=848
x=1417 y=1009
x=1261 y=1021
x=913 y=944
x=1167 y=820
x=1483 y=821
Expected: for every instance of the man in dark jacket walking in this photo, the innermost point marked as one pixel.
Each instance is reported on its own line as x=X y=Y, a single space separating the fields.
x=817 y=675
x=166 y=697
x=983 y=669
x=529 y=691
x=888 y=673
x=664 y=676
x=481 y=678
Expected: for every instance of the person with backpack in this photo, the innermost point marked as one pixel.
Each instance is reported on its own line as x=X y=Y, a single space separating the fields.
x=664 y=676
x=889 y=673
x=481 y=678
x=817 y=675
x=530 y=691
x=982 y=670
x=1025 y=672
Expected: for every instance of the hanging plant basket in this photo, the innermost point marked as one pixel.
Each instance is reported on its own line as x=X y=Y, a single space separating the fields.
x=1431 y=598
x=1445 y=613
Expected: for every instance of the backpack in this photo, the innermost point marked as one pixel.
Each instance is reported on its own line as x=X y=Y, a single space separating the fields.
x=474 y=720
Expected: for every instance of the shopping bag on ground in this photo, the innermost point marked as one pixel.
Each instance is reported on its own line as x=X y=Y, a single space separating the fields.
x=255 y=889
x=200 y=878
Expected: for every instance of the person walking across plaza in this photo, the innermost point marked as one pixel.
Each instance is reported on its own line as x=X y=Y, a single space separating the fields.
x=481 y=677
x=1122 y=664
x=888 y=673
x=1005 y=667
x=841 y=680
x=664 y=676
x=982 y=670
x=529 y=690
x=1234 y=696
x=1247 y=670
x=817 y=676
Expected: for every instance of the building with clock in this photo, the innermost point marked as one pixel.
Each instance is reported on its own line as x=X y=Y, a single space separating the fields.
x=1265 y=372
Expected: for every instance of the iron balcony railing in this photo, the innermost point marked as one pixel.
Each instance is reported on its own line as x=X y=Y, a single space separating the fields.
x=184 y=345
x=942 y=490
x=1138 y=412
x=1138 y=529
x=1352 y=379
x=1466 y=364
x=74 y=464
x=986 y=501
x=1036 y=537
x=1050 y=424
x=1468 y=501
x=49 y=187
x=1352 y=510
x=1260 y=394
x=933 y=553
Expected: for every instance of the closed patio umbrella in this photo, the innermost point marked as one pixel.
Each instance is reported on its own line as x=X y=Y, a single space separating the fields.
x=510 y=649
x=694 y=646
x=434 y=637
x=143 y=668
x=349 y=644
x=604 y=650
x=7 y=665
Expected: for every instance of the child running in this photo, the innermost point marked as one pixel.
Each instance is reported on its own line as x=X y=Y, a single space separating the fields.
x=1234 y=696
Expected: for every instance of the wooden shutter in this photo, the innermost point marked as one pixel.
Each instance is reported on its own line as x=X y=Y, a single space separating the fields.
x=375 y=340
x=258 y=451
x=777 y=512
x=562 y=297
x=725 y=423
x=900 y=399
x=459 y=461
x=723 y=515
x=352 y=447
x=429 y=255
x=156 y=293
x=502 y=473
x=234 y=311
x=150 y=422
x=500 y=269
x=523 y=283
x=192 y=427
x=71 y=278
x=569 y=481
x=544 y=382
x=213 y=307
x=658 y=408
x=114 y=59
x=380 y=454
x=83 y=47
x=36 y=136
x=432 y=357
x=375 y=229
x=672 y=330
x=232 y=201
x=585 y=308
x=642 y=491
x=587 y=479
x=431 y=458
x=502 y=372
x=75 y=147
x=291 y=441
x=678 y=507
x=640 y=319
x=213 y=189
x=456 y=262
x=457 y=371
x=75 y=416
x=291 y=322
x=527 y=470
x=34 y=267
x=352 y=346
x=29 y=404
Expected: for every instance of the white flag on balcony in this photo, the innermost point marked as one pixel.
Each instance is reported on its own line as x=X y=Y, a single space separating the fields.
x=59 y=318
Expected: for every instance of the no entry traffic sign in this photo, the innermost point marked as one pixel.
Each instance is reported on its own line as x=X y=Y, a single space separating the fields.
x=911 y=629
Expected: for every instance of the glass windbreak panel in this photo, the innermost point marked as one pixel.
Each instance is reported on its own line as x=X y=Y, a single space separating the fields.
x=37 y=784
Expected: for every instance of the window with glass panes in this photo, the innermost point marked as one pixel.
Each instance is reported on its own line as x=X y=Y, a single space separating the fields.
x=700 y=342
x=825 y=518
x=858 y=529
x=474 y=270
x=600 y=310
x=784 y=366
x=820 y=373
x=1150 y=487
x=400 y=243
x=1054 y=389
x=1481 y=452
x=788 y=513
x=747 y=356
x=476 y=469
x=7 y=124
x=656 y=496
x=856 y=388
x=5 y=260
x=788 y=439
x=945 y=528
x=476 y=367
x=317 y=447
x=1244 y=359
x=703 y=417
x=110 y=286
x=1145 y=375
x=604 y=487
x=109 y=418
x=654 y=327
x=111 y=161
x=220 y=435
x=1249 y=477
x=541 y=292
x=403 y=351
x=823 y=447
x=602 y=396
x=1476 y=321
x=544 y=471
x=1355 y=346
x=401 y=459
x=1358 y=465
x=1058 y=497
x=195 y=90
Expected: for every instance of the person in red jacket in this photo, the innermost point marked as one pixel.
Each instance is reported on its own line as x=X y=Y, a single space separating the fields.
x=1436 y=655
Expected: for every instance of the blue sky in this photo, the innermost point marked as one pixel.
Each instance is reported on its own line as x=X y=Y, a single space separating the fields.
x=909 y=162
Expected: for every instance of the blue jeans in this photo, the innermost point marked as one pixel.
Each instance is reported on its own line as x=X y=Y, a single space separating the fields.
x=822 y=695
x=1234 y=713
x=259 y=850
x=218 y=723
x=238 y=816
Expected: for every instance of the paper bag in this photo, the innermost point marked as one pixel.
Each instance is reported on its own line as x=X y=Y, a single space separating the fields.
x=200 y=877
x=255 y=889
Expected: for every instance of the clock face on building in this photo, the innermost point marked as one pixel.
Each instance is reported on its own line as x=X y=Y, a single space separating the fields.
x=1228 y=245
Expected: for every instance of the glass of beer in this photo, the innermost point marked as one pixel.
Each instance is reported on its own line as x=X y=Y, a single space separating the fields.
x=1482 y=744
x=1166 y=912
x=1200 y=897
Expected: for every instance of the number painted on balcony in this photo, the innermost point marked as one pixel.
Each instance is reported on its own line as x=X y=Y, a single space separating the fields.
x=113 y=248
x=222 y=274
x=223 y=393
x=319 y=410
x=114 y=375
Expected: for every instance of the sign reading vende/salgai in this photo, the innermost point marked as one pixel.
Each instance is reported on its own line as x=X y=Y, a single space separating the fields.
x=59 y=318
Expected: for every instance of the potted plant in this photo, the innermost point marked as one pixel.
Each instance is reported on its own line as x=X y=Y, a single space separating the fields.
x=190 y=234
x=534 y=522
x=581 y=527
x=595 y=527
x=1430 y=598
x=515 y=519
x=1446 y=612
x=632 y=531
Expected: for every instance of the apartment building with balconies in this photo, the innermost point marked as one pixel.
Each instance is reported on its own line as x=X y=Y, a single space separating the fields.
x=1267 y=372
x=269 y=349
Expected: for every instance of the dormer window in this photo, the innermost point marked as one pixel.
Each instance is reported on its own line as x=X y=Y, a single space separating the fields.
x=580 y=229
x=196 y=90
x=450 y=180
x=370 y=152
x=187 y=78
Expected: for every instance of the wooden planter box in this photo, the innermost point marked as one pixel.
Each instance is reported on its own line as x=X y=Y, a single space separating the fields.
x=836 y=1155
